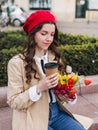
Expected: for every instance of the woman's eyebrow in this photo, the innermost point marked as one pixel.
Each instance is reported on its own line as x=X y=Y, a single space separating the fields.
x=47 y=31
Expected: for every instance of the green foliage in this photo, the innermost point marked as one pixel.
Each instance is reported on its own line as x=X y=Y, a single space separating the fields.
x=12 y=38
x=5 y=55
x=75 y=39
x=96 y=46
x=82 y=58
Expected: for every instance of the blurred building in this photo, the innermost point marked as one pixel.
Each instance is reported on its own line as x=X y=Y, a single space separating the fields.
x=64 y=10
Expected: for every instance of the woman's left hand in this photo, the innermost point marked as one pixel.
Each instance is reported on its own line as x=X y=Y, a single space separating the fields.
x=65 y=98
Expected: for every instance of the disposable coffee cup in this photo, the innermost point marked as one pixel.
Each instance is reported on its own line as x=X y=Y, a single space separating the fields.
x=51 y=68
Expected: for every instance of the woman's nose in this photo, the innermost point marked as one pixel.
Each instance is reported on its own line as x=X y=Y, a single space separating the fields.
x=49 y=38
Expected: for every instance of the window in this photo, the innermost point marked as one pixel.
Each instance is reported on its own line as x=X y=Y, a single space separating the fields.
x=39 y=4
x=93 y=4
x=81 y=7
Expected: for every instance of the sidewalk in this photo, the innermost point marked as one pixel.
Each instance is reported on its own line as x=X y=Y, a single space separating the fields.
x=87 y=103
x=76 y=27
x=84 y=28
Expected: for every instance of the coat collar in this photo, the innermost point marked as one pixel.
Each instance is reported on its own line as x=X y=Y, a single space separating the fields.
x=51 y=58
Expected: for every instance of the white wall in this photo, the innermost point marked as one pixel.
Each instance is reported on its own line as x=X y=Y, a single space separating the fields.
x=23 y=3
x=64 y=10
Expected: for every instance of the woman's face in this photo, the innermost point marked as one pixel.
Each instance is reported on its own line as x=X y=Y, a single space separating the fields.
x=44 y=37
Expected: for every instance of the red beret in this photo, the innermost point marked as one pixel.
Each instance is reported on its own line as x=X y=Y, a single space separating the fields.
x=36 y=18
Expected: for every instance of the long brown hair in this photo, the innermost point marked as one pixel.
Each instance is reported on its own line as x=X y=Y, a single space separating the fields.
x=29 y=51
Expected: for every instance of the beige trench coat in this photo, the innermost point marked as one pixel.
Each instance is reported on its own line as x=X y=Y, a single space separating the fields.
x=27 y=115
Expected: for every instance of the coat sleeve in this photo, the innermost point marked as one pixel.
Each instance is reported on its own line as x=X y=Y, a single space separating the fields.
x=17 y=98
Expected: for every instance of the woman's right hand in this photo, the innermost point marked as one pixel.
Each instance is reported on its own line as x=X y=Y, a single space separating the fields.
x=47 y=82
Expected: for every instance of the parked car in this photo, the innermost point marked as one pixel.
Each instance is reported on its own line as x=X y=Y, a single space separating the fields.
x=17 y=16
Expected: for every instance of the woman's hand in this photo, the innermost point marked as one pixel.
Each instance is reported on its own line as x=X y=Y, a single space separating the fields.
x=47 y=82
x=65 y=98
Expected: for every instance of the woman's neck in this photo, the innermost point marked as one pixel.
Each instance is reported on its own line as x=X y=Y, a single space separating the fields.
x=40 y=53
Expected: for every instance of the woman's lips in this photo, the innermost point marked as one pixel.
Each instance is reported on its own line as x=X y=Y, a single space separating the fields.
x=47 y=44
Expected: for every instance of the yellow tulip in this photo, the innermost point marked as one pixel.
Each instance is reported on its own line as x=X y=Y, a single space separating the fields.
x=68 y=76
x=75 y=77
x=60 y=78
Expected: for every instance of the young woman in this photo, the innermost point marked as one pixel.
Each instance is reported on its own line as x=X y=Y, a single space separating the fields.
x=28 y=86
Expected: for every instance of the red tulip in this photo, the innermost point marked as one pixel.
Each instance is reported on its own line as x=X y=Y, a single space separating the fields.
x=70 y=87
x=72 y=94
x=70 y=81
x=63 y=86
x=87 y=82
x=73 y=91
x=58 y=87
x=66 y=88
x=56 y=91
x=62 y=92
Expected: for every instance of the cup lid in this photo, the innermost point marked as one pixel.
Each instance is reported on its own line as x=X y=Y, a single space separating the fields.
x=51 y=65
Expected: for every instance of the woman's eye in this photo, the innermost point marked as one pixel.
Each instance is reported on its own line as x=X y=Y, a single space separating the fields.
x=52 y=35
x=47 y=34
x=43 y=33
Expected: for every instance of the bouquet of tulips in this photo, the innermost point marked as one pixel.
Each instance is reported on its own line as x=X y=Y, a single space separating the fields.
x=66 y=84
